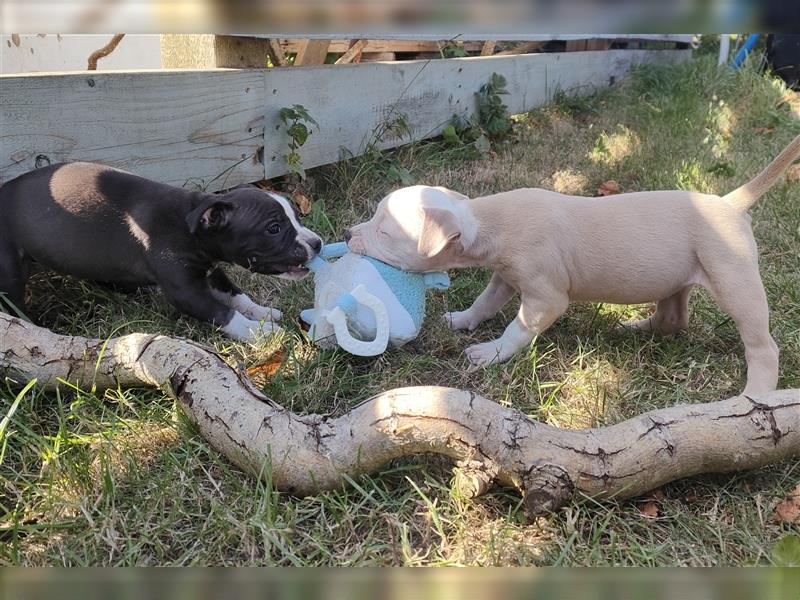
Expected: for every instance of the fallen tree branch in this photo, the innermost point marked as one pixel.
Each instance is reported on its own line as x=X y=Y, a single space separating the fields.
x=491 y=443
x=104 y=51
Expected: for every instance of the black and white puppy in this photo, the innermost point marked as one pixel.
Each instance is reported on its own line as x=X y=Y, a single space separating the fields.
x=102 y=224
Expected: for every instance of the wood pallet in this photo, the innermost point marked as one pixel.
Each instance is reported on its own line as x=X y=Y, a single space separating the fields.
x=251 y=51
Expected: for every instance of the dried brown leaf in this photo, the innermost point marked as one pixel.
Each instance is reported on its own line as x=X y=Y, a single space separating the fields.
x=302 y=202
x=788 y=509
x=793 y=173
x=649 y=510
x=608 y=188
x=261 y=373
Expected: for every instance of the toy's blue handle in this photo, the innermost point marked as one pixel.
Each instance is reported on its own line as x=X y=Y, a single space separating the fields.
x=335 y=250
x=437 y=280
x=315 y=264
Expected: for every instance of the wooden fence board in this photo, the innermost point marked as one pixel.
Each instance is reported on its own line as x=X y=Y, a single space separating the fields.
x=354 y=102
x=212 y=128
x=417 y=35
x=201 y=127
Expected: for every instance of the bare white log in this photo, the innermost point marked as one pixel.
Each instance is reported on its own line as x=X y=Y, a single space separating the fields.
x=308 y=453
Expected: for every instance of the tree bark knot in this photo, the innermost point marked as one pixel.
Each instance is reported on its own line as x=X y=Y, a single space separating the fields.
x=547 y=488
x=473 y=478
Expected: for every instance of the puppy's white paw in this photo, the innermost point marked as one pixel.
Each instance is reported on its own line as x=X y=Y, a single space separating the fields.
x=643 y=324
x=488 y=353
x=253 y=311
x=463 y=319
x=247 y=330
x=262 y=313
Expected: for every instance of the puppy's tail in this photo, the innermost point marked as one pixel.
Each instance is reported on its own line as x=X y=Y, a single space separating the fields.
x=744 y=197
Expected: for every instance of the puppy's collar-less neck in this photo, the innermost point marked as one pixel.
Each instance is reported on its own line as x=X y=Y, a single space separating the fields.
x=477 y=249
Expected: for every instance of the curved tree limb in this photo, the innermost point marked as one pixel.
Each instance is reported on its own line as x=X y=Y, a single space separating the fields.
x=310 y=453
x=104 y=51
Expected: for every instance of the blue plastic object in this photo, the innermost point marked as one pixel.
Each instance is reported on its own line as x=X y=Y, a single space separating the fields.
x=748 y=46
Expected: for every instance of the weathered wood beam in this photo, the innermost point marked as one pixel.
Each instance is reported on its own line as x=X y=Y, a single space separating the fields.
x=353 y=55
x=311 y=52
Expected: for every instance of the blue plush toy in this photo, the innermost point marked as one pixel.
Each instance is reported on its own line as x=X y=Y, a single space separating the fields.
x=363 y=304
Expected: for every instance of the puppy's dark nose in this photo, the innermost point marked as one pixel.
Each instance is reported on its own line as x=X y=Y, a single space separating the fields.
x=347 y=235
x=316 y=245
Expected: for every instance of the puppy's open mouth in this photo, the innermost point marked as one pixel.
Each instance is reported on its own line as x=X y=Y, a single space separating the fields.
x=294 y=273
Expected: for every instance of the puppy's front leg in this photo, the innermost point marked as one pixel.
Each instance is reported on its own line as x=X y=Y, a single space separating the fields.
x=487 y=305
x=536 y=314
x=231 y=295
x=190 y=293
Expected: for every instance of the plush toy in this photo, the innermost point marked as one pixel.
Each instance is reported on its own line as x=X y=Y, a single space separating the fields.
x=363 y=304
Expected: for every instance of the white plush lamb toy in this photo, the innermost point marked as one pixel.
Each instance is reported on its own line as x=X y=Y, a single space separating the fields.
x=364 y=304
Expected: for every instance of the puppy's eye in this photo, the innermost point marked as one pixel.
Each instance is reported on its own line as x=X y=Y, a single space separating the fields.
x=382 y=232
x=274 y=228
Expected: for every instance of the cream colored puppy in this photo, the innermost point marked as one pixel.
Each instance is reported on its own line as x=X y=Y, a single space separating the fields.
x=555 y=249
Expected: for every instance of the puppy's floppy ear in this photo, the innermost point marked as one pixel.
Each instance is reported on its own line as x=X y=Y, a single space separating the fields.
x=212 y=214
x=440 y=227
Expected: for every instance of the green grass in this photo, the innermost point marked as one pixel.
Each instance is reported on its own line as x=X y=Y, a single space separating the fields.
x=119 y=479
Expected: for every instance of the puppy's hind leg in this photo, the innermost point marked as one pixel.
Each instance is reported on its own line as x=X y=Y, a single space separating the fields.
x=537 y=312
x=671 y=316
x=487 y=305
x=229 y=294
x=738 y=290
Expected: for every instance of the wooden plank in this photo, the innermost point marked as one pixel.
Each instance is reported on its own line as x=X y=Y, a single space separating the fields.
x=479 y=36
x=240 y=53
x=374 y=56
x=207 y=128
x=312 y=52
x=276 y=54
x=598 y=44
x=375 y=46
x=488 y=48
x=187 y=128
x=185 y=51
x=60 y=52
x=208 y=51
x=353 y=54
x=352 y=102
x=523 y=48
x=584 y=45
x=576 y=45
